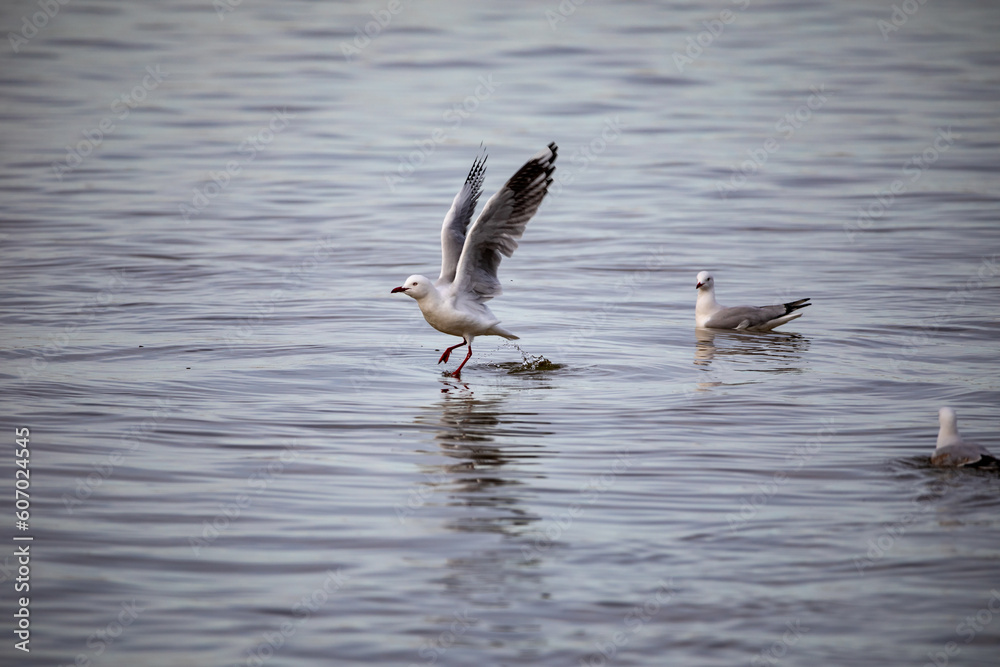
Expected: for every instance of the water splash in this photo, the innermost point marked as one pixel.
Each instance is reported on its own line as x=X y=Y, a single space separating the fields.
x=530 y=363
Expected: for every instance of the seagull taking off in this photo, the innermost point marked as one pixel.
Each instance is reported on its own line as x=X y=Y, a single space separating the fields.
x=952 y=451
x=456 y=303
x=708 y=312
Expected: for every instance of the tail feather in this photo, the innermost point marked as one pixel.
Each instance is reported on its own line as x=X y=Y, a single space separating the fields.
x=497 y=330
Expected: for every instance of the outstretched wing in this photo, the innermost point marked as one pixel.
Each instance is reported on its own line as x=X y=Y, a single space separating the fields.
x=500 y=225
x=457 y=220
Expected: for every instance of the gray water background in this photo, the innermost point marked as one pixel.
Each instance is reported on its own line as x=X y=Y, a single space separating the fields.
x=243 y=452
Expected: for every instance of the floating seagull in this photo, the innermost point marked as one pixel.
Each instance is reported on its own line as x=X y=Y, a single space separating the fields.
x=952 y=451
x=708 y=312
x=470 y=256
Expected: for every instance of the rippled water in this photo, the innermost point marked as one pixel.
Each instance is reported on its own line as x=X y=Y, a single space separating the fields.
x=243 y=452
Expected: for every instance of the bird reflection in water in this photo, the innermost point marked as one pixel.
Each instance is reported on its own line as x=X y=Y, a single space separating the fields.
x=471 y=431
x=481 y=492
x=768 y=352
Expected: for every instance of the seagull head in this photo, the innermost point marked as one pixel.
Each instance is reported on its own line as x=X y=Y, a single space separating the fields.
x=415 y=286
x=705 y=280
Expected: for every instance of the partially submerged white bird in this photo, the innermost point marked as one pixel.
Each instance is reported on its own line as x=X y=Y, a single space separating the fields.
x=456 y=303
x=709 y=313
x=953 y=451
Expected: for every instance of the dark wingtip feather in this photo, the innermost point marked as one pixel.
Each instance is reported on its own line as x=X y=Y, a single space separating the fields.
x=984 y=461
x=478 y=171
x=551 y=166
x=528 y=174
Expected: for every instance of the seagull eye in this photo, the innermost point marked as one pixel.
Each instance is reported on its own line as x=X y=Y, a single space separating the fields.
x=414 y=284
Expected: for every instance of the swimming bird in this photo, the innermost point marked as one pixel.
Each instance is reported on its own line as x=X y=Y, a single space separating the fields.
x=470 y=256
x=709 y=313
x=953 y=451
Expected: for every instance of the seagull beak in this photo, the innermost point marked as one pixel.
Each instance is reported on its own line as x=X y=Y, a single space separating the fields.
x=398 y=289
x=698 y=285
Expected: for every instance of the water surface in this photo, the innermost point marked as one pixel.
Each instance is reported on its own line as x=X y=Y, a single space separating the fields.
x=243 y=452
